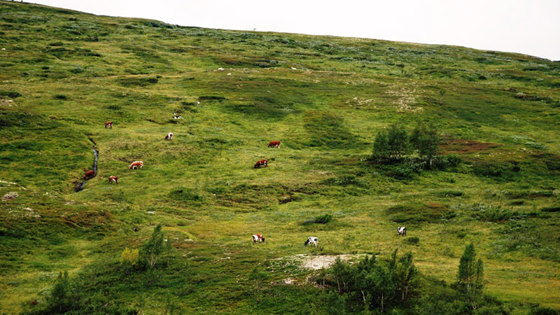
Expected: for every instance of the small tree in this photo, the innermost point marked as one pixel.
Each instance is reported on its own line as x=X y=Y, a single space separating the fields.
x=153 y=248
x=258 y=276
x=61 y=299
x=426 y=141
x=381 y=146
x=391 y=144
x=470 y=276
x=397 y=137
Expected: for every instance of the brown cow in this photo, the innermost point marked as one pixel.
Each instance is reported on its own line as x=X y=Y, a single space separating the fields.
x=136 y=165
x=273 y=144
x=113 y=179
x=261 y=163
x=109 y=124
x=89 y=174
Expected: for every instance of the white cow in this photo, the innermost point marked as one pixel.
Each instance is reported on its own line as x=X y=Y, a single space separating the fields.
x=169 y=136
x=402 y=230
x=312 y=240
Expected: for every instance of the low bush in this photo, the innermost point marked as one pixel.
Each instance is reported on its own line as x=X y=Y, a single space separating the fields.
x=419 y=212
x=405 y=170
x=130 y=257
x=212 y=98
x=494 y=169
x=414 y=240
x=10 y=94
x=187 y=195
x=127 y=82
x=450 y=193
x=322 y=219
x=551 y=209
x=543 y=310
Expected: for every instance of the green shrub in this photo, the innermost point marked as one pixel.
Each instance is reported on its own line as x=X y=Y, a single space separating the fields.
x=130 y=257
x=212 y=98
x=543 y=310
x=414 y=240
x=113 y=107
x=484 y=212
x=10 y=94
x=187 y=195
x=494 y=169
x=405 y=170
x=450 y=193
x=418 y=212
x=551 y=209
x=391 y=145
x=152 y=249
x=127 y=82
x=322 y=219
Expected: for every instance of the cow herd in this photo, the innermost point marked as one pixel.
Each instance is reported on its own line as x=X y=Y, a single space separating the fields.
x=256 y=238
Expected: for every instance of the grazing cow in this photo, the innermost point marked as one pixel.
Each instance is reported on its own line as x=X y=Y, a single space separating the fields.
x=113 y=179
x=169 y=136
x=258 y=238
x=136 y=165
x=175 y=116
x=312 y=240
x=89 y=174
x=402 y=230
x=261 y=163
x=273 y=144
x=109 y=125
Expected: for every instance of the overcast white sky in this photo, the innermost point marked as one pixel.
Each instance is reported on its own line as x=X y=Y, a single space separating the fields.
x=525 y=26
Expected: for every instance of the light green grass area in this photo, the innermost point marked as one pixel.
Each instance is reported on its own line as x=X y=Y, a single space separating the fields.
x=63 y=74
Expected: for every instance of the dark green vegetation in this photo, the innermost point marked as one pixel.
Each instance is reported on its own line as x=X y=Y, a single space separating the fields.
x=493 y=181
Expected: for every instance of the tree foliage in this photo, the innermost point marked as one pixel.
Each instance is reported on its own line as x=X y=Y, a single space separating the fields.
x=395 y=142
x=425 y=140
x=374 y=284
x=470 y=277
x=391 y=144
x=153 y=247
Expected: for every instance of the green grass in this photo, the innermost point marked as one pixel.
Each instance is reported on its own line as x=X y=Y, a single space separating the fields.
x=64 y=74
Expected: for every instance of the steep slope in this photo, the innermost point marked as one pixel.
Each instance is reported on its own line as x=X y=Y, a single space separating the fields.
x=64 y=74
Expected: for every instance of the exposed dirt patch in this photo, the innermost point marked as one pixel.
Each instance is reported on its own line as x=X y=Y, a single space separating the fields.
x=462 y=146
x=316 y=262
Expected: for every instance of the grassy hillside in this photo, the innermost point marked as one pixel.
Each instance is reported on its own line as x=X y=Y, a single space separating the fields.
x=64 y=73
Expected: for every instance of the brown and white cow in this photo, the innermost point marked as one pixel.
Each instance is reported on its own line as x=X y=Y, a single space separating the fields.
x=169 y=136
x=274 y=144
x=136 y=165
x=258 y=238
x=89 y=174
x=113 y=179
x=109 y=125
x=260 y=163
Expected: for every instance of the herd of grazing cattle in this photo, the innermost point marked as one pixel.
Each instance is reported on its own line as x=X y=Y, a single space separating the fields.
x=257 y=238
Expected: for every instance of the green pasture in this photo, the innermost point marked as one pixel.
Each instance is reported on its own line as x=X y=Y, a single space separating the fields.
x=64 y=73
